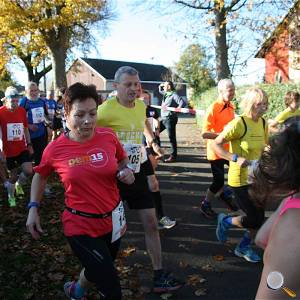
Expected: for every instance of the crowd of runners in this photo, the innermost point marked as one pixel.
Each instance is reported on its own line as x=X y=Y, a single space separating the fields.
x=106 y=155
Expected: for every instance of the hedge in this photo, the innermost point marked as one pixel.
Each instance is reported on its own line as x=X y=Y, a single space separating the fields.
x=275 y=93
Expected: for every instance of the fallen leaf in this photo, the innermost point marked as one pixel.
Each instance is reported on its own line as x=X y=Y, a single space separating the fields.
x=127 y=292
x=201 y=292
x=128 y=251
x=195 y=279
x=218 y=257
x=207 y=267
x=166 y=296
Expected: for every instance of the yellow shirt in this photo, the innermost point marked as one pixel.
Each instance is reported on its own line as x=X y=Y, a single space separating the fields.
x=287 y=113
x=248 y=146
x=128 y=123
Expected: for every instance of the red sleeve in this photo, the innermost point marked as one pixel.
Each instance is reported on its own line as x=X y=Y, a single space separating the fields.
x=45 y=168
x=120 y=152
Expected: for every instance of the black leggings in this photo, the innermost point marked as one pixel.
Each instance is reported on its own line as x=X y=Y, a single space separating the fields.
x=39 y=144
x=254 y=215
x=97 y=256
x=217 y=169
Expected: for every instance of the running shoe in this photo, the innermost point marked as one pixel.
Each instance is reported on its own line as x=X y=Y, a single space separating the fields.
x=166 y=223
x=166 y=283
x=248 y=253
x=69 y=289
x=12 y=201
x=19 y=190
x=207 y=211
x=222 y=228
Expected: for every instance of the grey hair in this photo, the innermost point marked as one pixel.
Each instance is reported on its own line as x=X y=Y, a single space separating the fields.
x=125 y=70
x=30 y=84
x=224 y=83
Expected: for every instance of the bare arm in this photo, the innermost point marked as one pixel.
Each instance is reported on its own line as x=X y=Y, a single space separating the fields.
x=209 y=135
x=217 y=146
x=272 y=124
x=28 y=140
x=33 y=220
x=151 y=139
x=263 y=235
x=283 y=255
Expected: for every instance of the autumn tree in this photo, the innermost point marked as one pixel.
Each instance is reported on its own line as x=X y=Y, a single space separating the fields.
x=57 y=24
x=233 y=29
x=193 y=67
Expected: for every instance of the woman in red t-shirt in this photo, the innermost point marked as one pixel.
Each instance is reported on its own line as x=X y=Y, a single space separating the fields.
x=89 y=161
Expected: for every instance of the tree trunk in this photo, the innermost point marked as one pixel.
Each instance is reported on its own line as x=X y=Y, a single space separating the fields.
x=58 y=58
x=222 y=67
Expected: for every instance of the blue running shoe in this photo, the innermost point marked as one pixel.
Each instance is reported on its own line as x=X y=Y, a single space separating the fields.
x=166 y=283
x=248 y=253
x=69 y=289
x=221 y=231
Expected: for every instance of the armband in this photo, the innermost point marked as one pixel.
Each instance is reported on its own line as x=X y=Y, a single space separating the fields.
x=235 y=157
x=33 y=204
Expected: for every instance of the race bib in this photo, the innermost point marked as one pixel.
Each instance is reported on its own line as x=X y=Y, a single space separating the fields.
x=51 y=112
x=37 y=115
x=15 y=132
x=118 y=222
x=134 y=153
x=251 y=168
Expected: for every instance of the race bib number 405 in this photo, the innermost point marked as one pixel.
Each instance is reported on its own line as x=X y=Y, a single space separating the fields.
x=15 y=132
x=134 y=153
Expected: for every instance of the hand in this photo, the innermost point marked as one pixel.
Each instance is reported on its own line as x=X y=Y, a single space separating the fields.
x=30 y=149
x=33 y=127
x=157 y=150
x=33 y=223
x=126 y=176
x=242 y=162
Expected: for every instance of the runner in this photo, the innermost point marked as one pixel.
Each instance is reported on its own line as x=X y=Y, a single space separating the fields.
x=278 y=174
x=36 y=112
x=51 y=108
x=164 y=222
x=127 y=117
x=291 y=101
x=247 y=136
x=169 y=118
x=220 y=113
x=17 y=146
x=87 y=159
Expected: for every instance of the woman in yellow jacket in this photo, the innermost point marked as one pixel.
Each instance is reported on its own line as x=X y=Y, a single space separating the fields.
x=247 y=136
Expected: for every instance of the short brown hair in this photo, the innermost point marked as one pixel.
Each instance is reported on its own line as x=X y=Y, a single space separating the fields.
x=290 y=97
x=79 y=91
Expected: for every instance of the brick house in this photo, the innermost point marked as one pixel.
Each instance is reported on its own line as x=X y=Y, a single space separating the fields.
x=100 y=72
x=281 y=50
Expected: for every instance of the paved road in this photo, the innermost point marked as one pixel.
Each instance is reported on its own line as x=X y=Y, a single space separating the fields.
x=190 y=250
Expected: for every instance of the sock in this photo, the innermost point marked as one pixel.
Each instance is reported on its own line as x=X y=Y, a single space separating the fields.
x=228 y=221
x=206 y=203
x=158 y=273
x=246 y=240
x=79 y=291
x=158 y=204
x=22 y=178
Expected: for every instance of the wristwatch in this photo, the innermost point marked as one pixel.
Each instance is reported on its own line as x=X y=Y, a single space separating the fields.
x=33 y=204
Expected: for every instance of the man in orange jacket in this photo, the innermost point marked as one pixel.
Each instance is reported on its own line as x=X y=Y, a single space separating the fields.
x=220 y=113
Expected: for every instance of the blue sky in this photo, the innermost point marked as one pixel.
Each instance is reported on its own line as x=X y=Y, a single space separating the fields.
x=139 y=36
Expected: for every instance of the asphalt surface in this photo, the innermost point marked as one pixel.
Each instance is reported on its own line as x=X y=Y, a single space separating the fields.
x=190 y=250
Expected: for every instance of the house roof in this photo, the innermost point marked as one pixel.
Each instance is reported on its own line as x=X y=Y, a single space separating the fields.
x=107 y=68
x=278 y=30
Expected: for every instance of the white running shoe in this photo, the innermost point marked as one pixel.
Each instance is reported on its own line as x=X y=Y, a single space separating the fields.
x=166 y=223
